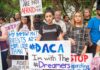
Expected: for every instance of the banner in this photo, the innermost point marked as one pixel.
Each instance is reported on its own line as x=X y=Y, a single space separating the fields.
x=82 y=62
x=49 y=55
x=11 y=26
x=30 y=7
x=19 y=41
x=0 y=62
x=21 y=64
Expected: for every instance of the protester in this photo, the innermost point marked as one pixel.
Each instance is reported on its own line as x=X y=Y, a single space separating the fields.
x=38 y=22
x=57 y=20
x=17 y=16
x=94 y=31
x=3 y=44
x=12 y=19
x=49 y=31
x=87 y=16
x=25 y=24
x=68 y=25
x=77 y=33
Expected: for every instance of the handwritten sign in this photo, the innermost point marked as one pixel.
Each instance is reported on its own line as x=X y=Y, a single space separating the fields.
x=49 y=55
x=21 y=64
x=19 y=41
x=30 y=7
x=11 y=26
x=81 y=62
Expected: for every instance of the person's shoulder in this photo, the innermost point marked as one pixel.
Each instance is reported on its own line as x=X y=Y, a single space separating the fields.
x=93 y=18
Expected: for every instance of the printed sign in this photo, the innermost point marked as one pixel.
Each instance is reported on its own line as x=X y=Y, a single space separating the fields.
x=30 y=7
x=49 y=55
x=81 y=62
x=19 y=41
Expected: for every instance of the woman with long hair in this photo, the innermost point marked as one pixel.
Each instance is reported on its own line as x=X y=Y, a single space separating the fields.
x=77 y=34
x=25 y=24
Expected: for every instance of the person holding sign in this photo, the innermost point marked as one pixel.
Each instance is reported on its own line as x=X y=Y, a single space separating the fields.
x=49 y=31
x=77 y=34
x=3 y=44
x=25 y=24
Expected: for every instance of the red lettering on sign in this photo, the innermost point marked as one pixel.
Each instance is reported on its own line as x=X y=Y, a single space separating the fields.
x=76 y=58
x=26 y=10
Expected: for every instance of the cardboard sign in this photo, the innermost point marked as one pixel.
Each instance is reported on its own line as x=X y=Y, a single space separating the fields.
x=19 y=41
x=30 y=7
x=49 y=55
x=21 y=64
x=81 y=62
x=0 y=62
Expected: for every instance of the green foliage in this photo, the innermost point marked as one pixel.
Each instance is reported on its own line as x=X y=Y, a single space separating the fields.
x=9 y=7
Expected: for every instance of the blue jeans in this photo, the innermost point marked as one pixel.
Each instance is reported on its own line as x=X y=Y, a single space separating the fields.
x=4 y=60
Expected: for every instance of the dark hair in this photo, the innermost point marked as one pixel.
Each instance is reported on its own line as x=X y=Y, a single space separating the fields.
x=49 y=9
x=28 y=23
x=3 y=19
x=64 y=16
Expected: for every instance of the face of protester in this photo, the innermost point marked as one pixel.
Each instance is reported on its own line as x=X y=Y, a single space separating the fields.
x=57 y=15
x=77 y=18
x=66 y=18
x=12 y=20
x=49 y=17
x=24 y=20
x=1 y=21
x=17 y=16
x=98 y=12
x=86 y=13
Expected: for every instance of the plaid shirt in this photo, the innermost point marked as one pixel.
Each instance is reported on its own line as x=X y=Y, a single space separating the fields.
x=3 y=44
x=80 y=36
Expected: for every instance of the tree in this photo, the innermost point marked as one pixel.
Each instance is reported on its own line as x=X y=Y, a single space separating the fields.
x=66 y=5
x=8 y=7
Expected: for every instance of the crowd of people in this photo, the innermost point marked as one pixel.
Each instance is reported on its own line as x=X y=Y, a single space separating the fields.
x=82 y=30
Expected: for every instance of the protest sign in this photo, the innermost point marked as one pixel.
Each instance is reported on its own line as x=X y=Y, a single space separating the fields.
x=49 y=55
x=11 y=26
x=81 y=62
x=18 y=41
x=21 y=64
x=0 y=62
x=30 y=7
x=95 y=64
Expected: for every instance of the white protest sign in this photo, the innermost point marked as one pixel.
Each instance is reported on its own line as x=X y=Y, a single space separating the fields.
x=81 y=62
x=0 y=62
x=21 y=64
x=19 y=41
x=11 y=26
x=49 y=55
x=30 y=7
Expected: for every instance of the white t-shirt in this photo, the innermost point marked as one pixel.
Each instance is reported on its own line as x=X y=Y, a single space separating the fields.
x=24 y=28
x=61 y=24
